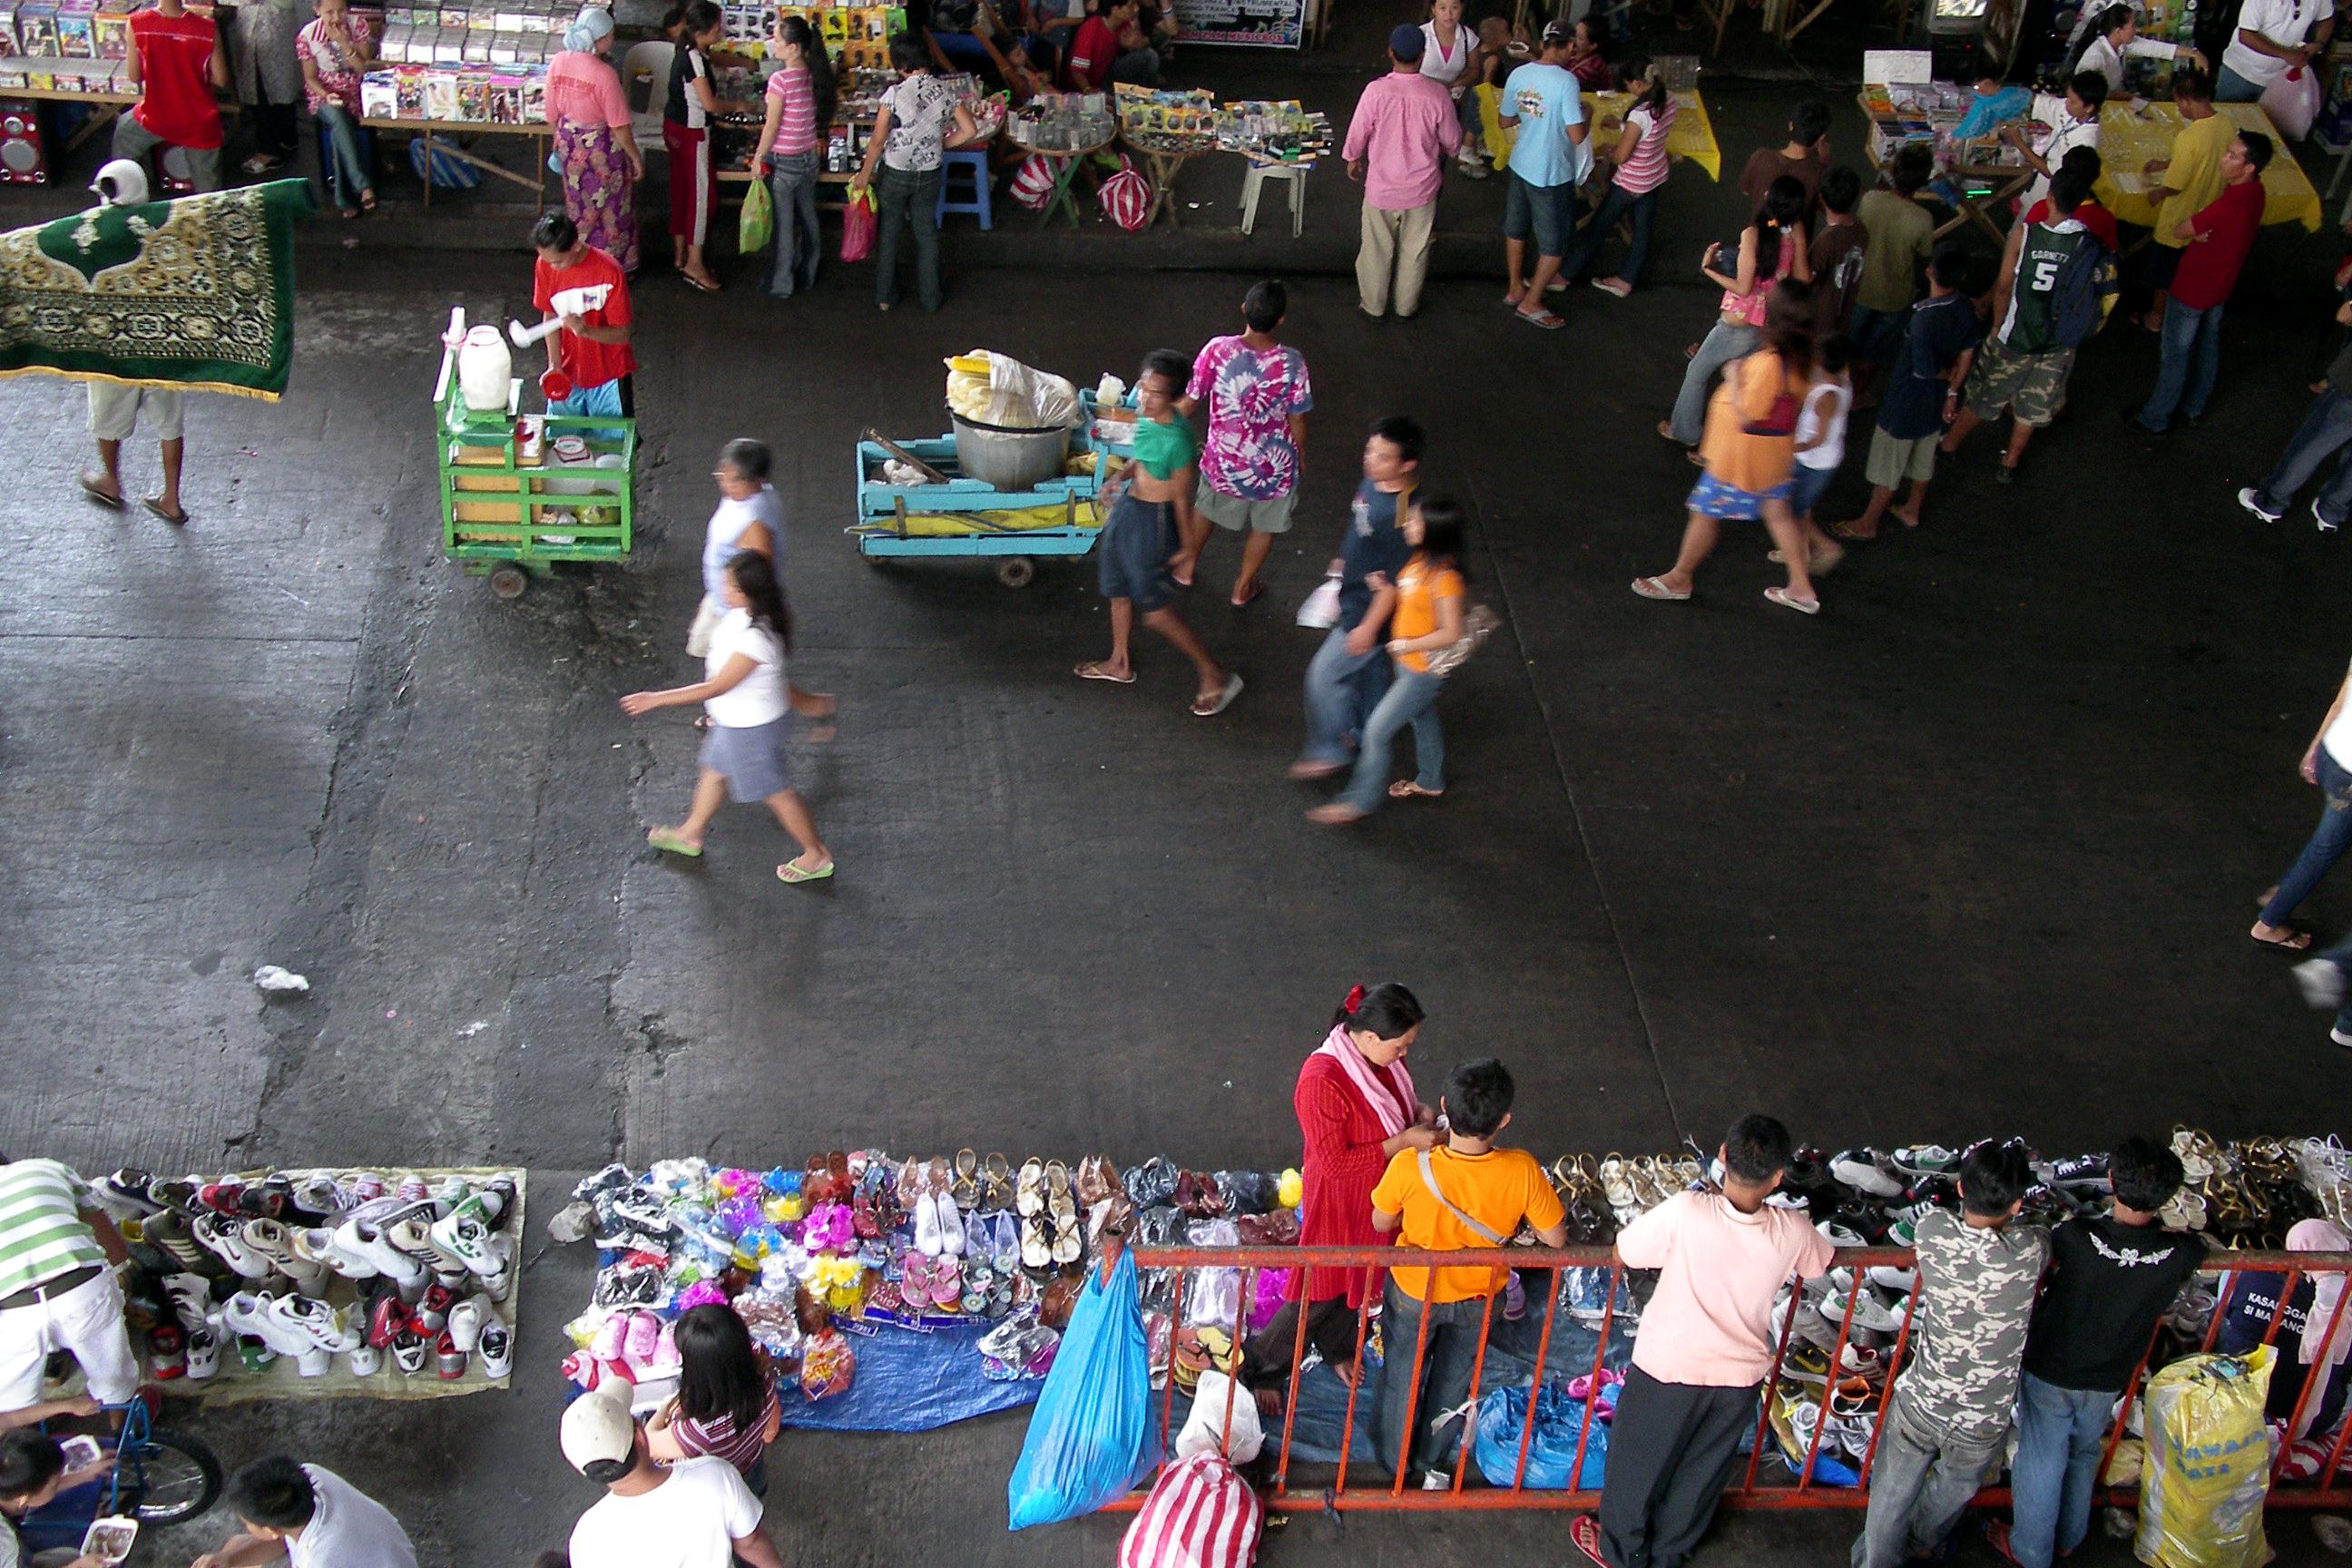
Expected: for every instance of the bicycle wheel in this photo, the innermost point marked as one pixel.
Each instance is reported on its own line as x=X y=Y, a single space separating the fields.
x=169 y=1477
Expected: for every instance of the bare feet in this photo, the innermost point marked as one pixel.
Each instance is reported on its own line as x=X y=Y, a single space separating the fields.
x=1304 y=771
x=1908 y=519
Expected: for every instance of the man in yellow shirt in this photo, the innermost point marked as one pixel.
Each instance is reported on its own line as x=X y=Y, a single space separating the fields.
x=1466 y=1195
x=2192 y=178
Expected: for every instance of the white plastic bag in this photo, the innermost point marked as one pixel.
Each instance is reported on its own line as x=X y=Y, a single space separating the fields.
x=1015 y=395
x=2292 y=101
x=1206 y=1424
x=1321 y=610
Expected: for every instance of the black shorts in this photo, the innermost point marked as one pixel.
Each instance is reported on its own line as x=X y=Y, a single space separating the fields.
x=1132 y=558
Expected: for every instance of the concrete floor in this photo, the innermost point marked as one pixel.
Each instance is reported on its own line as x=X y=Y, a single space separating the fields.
x=1972 y=853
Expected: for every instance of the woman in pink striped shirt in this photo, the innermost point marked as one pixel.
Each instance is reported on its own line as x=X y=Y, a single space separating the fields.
x=799 y=111
x=1640 y=162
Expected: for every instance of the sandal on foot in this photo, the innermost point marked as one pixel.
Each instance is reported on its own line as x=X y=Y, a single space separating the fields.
x=788 y=872
x=1612 y=286
x=1802 y=606
x=1848 y=530
x=1655 y=588
x=1208 y=707
x=670 y=843
x=156 y=505
x=111 y=501
x=1339 y=813
x=1243 y=601
x=1097 y=670
x=1544 y=320
x=1405 y=789
x=2294 y=942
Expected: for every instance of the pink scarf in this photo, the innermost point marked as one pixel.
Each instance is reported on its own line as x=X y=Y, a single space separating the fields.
x=1378 y=1087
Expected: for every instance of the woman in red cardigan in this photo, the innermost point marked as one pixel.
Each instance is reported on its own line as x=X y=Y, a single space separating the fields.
x=1356 y=1111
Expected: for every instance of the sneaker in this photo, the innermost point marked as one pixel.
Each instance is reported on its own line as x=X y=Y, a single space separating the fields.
x=1902 y=1281
x=2252 y=500
x=124 y=1194
x=1926 y=1160
x=1839 y=1234
x=2319 y=518
x=1865 y=1171
x=1435 y=1480
x=448 y=1360
x=466 y=1325
x=408 y=1352
x=2336 y=1032
x=2322 y=980
x=167 y=1351
x=497 y=1348
x=225 y=1237
x=203 y=1353
x=191 y=1296
x=1475 y=168
x=364 y=1360
x=2081 y=1170
x=1584 y=1534
x=1868 y=1312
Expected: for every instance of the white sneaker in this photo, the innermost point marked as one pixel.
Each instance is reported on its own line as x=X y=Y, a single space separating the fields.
x=1926 y=1159
x=1435 y=1480
x=2252 y=500
x=1869 y=1312
x=497 y=1350
x=226 y=1236
x=364 y=1359
x=465 y=1325
x=1837 y=1235
x=1902 y=1281
x=271 y=1240
x=1865 y=1171
x=317 y=1246
x=204 y=1352
x=249 y=1313
x=363 y=1239
x=2322 y=980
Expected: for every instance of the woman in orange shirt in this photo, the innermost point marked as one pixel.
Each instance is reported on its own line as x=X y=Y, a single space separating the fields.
x=1750 y=452
x=1429 y=616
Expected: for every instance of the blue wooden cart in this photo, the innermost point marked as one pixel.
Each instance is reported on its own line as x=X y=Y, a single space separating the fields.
x=966 y=517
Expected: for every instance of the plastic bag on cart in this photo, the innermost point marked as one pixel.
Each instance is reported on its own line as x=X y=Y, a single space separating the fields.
x=997 y=389
x=1091 y=1436
x=2208 y=1469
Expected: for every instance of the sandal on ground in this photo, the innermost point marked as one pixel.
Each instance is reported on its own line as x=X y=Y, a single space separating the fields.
x=156 y=505
x=1848 y=530
x=2294 y=942
x=707 y=285
x=1584 y=1534
x=1405 y=789
x=1544 y=320
x=670 y=843
x=788 y=872
x=110 y=499
x=1616 y=288
x=1207 y=706
x=1097 y=670
x=1655 y=588
x=1336 y=815
x=1802 y=606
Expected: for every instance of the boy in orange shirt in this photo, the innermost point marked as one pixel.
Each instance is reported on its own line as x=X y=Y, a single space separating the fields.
x=1468 y=1194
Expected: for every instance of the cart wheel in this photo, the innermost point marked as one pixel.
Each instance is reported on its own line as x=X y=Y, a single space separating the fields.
x=507 y=580
x=1016 y=571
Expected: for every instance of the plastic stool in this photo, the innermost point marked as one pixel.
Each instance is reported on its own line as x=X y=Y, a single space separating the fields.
x=1293 y=175
x=976 y=165
x=327 y=155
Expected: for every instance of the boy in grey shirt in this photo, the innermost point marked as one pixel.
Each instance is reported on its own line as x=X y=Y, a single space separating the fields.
x=1949 y=1416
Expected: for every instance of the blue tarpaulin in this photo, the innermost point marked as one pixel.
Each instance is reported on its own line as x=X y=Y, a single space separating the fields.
x=910 y=1381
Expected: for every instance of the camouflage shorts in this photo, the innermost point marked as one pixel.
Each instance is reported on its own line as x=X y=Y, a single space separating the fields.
x=2033 y=385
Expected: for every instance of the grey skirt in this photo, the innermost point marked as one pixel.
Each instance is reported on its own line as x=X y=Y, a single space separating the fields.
x=751 y=758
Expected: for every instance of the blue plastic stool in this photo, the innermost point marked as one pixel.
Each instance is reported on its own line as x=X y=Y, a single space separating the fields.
x=975 y=164
x=327 y=155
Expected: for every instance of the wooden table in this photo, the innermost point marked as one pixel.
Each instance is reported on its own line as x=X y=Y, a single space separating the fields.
x=1067 y=174
x=2002 y=181
x=1165 y=156
x=446 y=129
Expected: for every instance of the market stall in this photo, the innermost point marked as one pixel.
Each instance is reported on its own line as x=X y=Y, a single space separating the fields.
x=74 y=51
x=1690 y=139
x=2130 y=135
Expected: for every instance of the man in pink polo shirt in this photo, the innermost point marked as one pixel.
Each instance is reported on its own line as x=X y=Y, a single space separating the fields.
x=1702 y=1351
x=1404 y=129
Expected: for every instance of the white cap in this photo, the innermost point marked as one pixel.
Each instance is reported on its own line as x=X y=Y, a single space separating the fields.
x=597 y=1426
x=122 y=182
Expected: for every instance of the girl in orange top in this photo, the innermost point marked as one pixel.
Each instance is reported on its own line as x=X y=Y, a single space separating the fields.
x=1750 y=453
x=1429 y=616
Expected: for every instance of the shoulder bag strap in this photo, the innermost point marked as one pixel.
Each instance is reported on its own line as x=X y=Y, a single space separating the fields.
x=1478 y=1229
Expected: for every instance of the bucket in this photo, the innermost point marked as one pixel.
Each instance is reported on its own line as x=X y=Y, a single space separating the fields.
x=1007 y=456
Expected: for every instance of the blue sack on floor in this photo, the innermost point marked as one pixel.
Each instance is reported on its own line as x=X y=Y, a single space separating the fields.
x=1091 y=1437
x=1559 y=1420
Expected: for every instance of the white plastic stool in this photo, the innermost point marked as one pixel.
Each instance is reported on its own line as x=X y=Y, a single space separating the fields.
x=1292 y=174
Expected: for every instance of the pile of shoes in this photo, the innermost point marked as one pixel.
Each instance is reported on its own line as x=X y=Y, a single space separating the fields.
x=404 y=1269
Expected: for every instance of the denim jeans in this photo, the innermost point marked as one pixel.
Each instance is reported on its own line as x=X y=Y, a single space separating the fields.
x=791 y=189
x=346 y=175
x=2229 y=87
x=908 y=200
x=2060 y=1433
x=2192 y=356
x=1446 y=1366
x=1614 y=205
x=2323 y=433
x=2329 y=842
x=1339 y=701
x=1726 y=342
x=1920 y=1481
x=1411 y=701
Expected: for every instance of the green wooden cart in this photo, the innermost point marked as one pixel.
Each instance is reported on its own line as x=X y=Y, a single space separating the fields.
x=511 y=505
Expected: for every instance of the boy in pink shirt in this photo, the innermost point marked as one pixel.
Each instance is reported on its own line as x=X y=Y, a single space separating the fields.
x=1404 y=130
x=1703 y=1349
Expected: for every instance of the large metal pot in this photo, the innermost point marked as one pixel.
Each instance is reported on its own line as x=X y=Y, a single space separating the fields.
x=1009 y=457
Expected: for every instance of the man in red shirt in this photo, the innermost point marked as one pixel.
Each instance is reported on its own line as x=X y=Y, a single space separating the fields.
x=1100 y=53
x=592 y=349
x=2214 y=243
x=175 y=63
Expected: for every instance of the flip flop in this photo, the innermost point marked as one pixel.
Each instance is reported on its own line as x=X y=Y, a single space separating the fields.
x=1653 y=588
x=156 y=505
x=1405 y=789
x=671 y=843
x=1847 y=531
x=1544 y=320
x=788 y=872
x=2294 y=941
x=694 y=282
x=1096 y=672
x=1243 y=601
x=1619 y=293
x=1334 y=814
x=111 y=502
x=1223 y=700
x=1782 y=597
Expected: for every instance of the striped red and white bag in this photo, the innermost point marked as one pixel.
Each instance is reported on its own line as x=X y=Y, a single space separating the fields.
x=1199 y=1515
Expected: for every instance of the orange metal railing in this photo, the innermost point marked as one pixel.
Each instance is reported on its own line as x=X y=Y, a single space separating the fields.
x=1801 y=1490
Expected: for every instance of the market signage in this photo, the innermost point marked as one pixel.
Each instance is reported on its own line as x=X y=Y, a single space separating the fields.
x=1259 y=24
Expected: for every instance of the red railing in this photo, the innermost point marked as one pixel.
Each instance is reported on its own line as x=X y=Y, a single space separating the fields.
x=1801 y=1490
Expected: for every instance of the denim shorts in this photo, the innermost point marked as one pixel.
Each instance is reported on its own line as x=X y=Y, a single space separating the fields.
x=1547 y=212
x=1806 y=487
x=1132 y=556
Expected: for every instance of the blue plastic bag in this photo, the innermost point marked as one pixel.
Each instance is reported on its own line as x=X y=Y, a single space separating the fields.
x=1560 y=1421
x=1091 y=1437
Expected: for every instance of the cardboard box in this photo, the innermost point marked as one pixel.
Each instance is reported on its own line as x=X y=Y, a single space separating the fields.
x=379 y=95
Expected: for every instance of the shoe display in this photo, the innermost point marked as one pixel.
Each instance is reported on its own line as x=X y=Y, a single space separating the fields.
x=408 y=1350
x=1867 y=1172
x=202 y=1353
x=225 y=1237
x=495 y=1351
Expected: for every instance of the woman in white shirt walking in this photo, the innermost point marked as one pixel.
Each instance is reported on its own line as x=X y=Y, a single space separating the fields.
x=750 y=700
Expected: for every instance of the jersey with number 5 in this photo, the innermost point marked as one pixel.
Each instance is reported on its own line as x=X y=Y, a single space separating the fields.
x=2048 y=252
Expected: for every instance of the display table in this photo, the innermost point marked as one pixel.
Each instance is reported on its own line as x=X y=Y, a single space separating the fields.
x=1690 y=138
x=1164 y=156
x=2131 y=136
x=441 y=133
x=2000 y=182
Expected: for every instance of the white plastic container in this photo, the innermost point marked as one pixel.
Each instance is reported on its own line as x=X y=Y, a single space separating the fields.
x=485 y=370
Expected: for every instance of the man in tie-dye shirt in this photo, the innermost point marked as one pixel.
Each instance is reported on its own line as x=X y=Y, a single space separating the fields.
x=1252 y=393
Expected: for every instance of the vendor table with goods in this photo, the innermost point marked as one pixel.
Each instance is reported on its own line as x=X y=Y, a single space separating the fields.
x=2132 y=134
x=1690 y=139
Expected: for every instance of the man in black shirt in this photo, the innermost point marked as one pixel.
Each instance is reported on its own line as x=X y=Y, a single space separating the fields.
x=2109 y=1281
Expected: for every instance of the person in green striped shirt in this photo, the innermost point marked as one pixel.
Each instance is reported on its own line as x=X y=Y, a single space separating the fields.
x=57 y=1289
